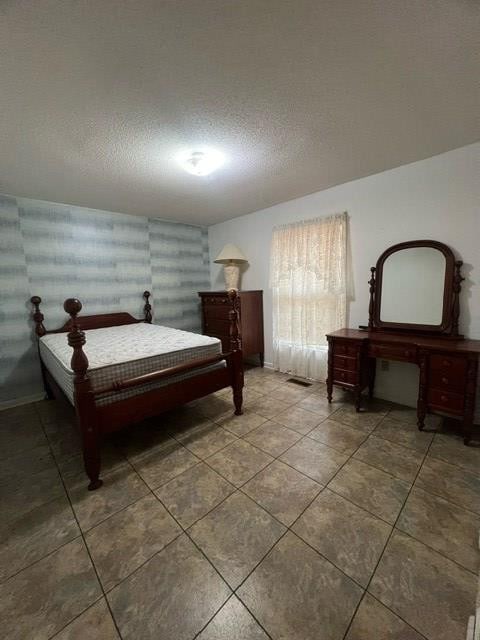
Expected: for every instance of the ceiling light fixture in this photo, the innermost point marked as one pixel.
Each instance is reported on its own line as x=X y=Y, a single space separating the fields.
x=201 y=162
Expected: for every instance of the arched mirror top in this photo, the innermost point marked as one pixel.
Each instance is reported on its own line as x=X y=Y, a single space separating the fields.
x=415 y=287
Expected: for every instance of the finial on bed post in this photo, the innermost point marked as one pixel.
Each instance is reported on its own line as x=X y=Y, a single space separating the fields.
x=457 y=287
x=148 y=307
x=38 y=316
x=371 y=306
x=76 y=339
x=236 y=347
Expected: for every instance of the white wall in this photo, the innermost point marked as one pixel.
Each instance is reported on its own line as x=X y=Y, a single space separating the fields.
x=438 y=198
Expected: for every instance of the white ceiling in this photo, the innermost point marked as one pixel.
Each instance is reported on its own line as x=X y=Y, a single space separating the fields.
x=97 y=96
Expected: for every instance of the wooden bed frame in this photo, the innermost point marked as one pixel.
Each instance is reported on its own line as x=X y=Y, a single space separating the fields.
x=94 y=421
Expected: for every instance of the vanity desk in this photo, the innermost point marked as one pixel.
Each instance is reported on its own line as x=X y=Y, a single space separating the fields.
x=417 y=322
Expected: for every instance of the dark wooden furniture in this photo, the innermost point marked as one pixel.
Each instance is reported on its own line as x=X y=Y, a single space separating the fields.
x=448 y=363
x=95 y=420
x=215 y=307
x=448 y=369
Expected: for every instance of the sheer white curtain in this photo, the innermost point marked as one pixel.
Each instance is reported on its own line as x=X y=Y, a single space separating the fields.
x=308 y=279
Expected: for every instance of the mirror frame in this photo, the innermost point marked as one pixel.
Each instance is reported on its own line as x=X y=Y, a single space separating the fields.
x=451 y=291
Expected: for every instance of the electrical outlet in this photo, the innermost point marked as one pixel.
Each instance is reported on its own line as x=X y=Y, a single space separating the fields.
x=385 y=366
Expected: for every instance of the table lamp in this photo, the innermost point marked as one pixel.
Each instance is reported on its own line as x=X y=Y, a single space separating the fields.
x=231 y=257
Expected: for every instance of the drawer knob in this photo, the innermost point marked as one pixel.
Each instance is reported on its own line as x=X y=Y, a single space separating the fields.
x=408 y=353
x=443 y=398
x=446 y=363
x=445 y=380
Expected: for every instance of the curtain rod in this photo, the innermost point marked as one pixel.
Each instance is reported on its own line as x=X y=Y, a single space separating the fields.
x=344 y=214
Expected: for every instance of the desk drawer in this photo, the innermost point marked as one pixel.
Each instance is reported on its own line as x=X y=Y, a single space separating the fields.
x=345 y=362
x=446 y=400
x=393 y=352
x=347 y=377
x=344 y=348
x=448 y=372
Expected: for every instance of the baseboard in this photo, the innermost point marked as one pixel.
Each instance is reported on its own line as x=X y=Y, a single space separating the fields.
x=8 y=404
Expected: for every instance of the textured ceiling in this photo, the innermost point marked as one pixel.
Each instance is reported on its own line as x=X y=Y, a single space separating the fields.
x=97 y=96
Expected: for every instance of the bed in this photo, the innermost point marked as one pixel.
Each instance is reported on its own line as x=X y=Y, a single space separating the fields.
x=117 y=370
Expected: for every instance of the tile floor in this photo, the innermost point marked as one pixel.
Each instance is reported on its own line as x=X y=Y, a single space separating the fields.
x=297 y=521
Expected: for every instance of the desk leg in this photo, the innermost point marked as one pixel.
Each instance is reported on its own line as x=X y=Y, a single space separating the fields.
x=330 y=370
x=422 y=392
x=467 y=431
x=470 y=400
x=361 y=360
x=358 y=398
x=329 y=389
x=372 y=370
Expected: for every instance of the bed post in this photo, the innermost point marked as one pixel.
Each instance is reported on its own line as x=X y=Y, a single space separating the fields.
x=237 y=355
x=38 y=316
x=40 y=331
x=83 y=397
x=147 y=309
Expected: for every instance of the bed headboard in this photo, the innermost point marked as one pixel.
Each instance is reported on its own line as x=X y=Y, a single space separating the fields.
x=98 y=321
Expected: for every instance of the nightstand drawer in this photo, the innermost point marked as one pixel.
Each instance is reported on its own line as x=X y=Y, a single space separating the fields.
x=446 y=400
x=216 y=326
x=345 y=348
x=221 y=311
x=345 y=362
x=216 y=300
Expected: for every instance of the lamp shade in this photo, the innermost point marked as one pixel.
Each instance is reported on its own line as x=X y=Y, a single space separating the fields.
x=230 y=253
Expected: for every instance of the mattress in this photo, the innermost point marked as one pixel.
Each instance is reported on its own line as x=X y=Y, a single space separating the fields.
x=116 y=353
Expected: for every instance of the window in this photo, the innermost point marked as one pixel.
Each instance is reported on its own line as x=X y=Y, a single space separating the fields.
x=308 y=279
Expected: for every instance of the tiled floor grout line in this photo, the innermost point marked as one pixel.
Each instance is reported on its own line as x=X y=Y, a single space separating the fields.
x=288 y=528
x=184 y=531
x=454 y=504
x=57 y=633
x=391 y=611
x=385 y=547
x=302 y=436
x=240 y=490
x=232 y=595
x=124 y=463
x=457 y=466
x=84 y=543
x=425 y=544
x=31 y=564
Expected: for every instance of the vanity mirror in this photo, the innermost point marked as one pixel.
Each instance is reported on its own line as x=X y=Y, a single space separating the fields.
x=415 y=287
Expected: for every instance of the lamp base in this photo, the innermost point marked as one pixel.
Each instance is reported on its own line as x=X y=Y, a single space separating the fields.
x=232 y=276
